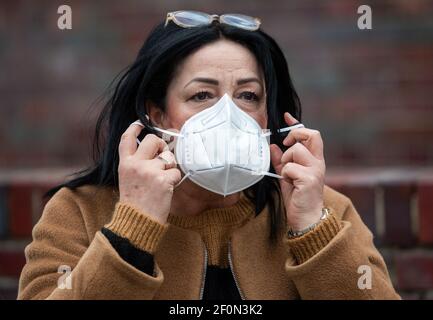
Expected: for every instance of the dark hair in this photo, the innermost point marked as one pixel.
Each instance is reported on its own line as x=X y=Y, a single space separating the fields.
x=147 y=79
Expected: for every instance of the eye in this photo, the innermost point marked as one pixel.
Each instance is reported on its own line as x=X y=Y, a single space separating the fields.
x=249 y=96
x=201 y=96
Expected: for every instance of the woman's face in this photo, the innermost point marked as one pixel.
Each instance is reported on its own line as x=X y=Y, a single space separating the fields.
x=205 y=76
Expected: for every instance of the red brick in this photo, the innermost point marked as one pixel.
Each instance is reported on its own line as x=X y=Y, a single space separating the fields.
x=425 y=213
x=20 y=210
x=414 y=270
x=11 y=262
x=4 y=220
x=25 y=205
x=398 y=224
x=363 y=198
x=38 y=199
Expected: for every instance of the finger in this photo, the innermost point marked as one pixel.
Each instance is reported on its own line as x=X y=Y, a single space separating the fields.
x=156 y=164
x=289 y=119
x=172 y=144
x=276 y=154
x=299 y=154
x=293 y=171
x=168 y=158
x=173 y=175
x=150 y=146
x=309 y=138
x=128 y=143
x=298 y=134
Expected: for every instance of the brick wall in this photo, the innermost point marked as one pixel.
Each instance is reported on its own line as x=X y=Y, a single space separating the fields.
x=368 y=92
x=395 y=204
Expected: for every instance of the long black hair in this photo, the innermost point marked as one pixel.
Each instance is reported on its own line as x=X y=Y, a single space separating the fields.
x=147 y=79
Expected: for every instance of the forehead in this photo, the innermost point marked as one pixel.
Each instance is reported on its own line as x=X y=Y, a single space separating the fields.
x=219 y=56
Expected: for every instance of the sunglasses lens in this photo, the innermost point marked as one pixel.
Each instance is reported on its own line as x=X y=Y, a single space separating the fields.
x=241 y=21
x=192 y=18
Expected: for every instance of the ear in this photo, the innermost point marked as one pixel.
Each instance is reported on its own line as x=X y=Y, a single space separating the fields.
x=156 y=115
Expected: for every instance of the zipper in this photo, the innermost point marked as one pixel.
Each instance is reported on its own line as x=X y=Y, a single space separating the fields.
x=233 y=272
x=231 y=269
x=204 y=273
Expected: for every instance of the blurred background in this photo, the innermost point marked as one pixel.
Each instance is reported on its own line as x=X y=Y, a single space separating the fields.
x=369 y=92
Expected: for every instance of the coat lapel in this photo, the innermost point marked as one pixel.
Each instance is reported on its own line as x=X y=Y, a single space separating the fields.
x=181 y=257
x=257 y=264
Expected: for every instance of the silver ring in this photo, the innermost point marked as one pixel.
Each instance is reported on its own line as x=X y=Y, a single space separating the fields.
x=166 y=163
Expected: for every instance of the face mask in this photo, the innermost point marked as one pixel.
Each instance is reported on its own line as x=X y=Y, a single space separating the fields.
x=223 y=149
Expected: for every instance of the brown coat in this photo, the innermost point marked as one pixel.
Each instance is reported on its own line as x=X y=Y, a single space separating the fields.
x=69 y=234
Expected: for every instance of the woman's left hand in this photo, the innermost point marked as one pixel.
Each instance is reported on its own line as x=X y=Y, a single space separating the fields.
x=303 y=167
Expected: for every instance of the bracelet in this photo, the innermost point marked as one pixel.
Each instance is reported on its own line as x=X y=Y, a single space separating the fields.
x=297 y=233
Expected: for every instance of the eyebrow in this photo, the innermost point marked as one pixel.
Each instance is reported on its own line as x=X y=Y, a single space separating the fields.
x=216 y=82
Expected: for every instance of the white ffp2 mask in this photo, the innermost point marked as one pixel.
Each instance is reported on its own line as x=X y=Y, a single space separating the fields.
x=222 y=148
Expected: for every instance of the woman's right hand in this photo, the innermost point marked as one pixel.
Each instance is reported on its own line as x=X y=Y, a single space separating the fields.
x=147 y=173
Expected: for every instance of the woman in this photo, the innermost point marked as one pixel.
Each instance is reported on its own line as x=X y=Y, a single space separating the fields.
x=131 y=227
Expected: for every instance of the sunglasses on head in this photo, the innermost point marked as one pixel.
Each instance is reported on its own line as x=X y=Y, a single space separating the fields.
x=191 y=19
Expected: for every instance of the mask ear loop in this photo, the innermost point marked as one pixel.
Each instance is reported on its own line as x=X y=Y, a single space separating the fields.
x=183 y=179
x=138 y=122
x=290 y=128
x=171 y=133
x=265 y=173
x=282 y=131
